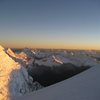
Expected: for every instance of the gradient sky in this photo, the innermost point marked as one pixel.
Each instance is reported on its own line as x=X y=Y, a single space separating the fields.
x=72 y=24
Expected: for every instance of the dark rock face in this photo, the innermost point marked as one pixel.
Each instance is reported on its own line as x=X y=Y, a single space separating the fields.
x=49 y=75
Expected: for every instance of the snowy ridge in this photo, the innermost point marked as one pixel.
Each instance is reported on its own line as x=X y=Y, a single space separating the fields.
x=14 y=79
x=10 y=52
x=1 y=48
x=84 y=86
x=57 y=60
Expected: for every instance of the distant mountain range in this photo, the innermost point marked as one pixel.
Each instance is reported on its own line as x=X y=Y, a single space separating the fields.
x=26 y=70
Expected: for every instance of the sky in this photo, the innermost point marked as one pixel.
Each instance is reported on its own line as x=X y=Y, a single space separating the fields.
x=64 y=24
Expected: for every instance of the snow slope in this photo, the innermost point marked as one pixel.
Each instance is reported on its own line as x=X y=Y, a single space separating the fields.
x=14 y=79
x=84 y=86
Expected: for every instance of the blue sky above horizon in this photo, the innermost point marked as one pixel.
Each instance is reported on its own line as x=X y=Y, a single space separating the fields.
x=50 y=23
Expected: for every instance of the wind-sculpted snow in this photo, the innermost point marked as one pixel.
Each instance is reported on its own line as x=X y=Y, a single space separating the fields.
x=51 y=66
x=14 y=79
x=84 y=86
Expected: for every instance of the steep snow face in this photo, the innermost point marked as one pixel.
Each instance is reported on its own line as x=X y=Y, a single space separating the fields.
x=1 y=48
x=10 y=52
x=57 y=60
x=21 y=55
x=14 y=79
x=84 y=86
x=60 y=59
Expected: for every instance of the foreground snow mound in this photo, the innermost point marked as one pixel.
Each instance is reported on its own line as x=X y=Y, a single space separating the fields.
x=84 y=86
x=14 y=79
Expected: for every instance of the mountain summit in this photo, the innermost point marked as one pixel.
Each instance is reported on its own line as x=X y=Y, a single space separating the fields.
x=14 y=79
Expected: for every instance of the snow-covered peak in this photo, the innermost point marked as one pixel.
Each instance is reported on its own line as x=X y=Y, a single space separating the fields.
x=84 y=86
x=21 y=55
x=10 y=52
x=57 y=60
x=14 y=79
x=1 y=48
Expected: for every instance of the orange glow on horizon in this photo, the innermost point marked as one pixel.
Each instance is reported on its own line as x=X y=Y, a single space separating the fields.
x=53 y=46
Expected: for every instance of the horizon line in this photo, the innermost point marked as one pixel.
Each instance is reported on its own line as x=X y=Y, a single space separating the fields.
x=63 y=48
x=53 y=48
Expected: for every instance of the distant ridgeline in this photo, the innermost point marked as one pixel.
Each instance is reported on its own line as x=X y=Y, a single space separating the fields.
x=16 y=50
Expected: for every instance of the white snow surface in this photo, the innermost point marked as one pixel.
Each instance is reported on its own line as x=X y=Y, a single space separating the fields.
x=10 y=52
x=84 y=86
x=14 y=79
